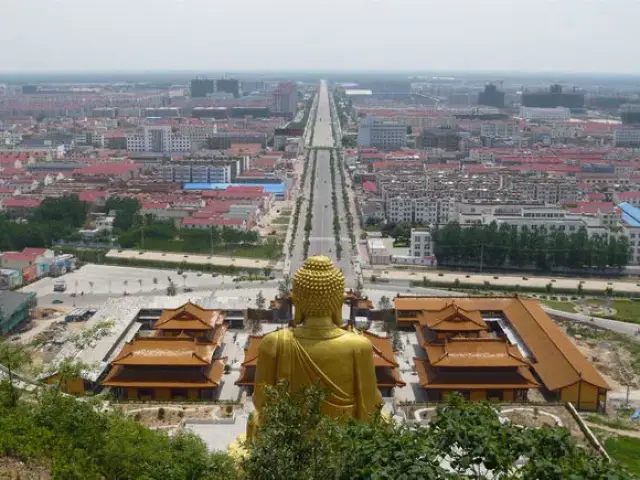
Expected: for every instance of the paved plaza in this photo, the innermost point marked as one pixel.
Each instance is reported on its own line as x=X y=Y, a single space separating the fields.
x=178 y=258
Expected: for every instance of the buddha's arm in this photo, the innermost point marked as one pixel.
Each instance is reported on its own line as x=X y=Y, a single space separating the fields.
x=266 y=368
x=368 y=396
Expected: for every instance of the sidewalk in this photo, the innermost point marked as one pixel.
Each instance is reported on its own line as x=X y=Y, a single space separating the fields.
x=497 y=280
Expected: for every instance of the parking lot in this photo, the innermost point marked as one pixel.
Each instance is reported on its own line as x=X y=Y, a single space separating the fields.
x=109 y=280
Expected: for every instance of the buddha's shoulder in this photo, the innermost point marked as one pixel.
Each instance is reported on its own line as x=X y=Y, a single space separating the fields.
x=269 y=342
x=356 y=341
x=282 y=333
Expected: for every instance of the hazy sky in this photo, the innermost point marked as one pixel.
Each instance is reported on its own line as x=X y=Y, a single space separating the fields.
x=511 y=35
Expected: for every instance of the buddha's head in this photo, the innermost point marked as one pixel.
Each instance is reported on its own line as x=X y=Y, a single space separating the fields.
x=318 y=290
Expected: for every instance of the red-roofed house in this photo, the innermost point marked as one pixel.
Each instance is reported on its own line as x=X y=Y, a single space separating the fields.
x=369 y=187
x=32 y=262
x=124 y=171
x=6 y=192
x=594 y=197
x=164 y=211
x=19 y=206
x=630 y=197
x=97 y=197
x=606 y=212
x=250 y=149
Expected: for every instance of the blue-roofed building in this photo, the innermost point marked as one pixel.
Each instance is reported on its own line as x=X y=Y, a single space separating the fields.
x=278 y=190
x=630 y=214
x=630 y=222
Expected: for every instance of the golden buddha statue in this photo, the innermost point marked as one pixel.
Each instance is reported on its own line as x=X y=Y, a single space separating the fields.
x=318 y=350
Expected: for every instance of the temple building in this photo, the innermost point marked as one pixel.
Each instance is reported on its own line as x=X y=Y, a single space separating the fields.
x=177 y=361
x=386 y=367
x=497 y=349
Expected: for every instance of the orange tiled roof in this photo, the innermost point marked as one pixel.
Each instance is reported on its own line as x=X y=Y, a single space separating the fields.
x=558 y=363
x=474 y=352
x=167 y=377
x=452 y=317
x=388 y=377
x=448 y=379
x=251 y=352
x=383 y=357
x=189 y=317
x=556 y=360
x=170 y=351
x=247 y=376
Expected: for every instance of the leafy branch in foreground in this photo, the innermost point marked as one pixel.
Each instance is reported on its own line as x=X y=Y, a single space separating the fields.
x=465 y=439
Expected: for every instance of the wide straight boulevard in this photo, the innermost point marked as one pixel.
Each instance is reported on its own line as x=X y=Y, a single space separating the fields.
x=322 y=239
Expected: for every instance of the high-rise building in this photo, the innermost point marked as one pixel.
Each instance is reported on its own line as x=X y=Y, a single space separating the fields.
x=201 y=87
x=491 y=97
x=284 y=100
x=630 y=114
x=443 y=138
x=228 y=85
x=554 y=97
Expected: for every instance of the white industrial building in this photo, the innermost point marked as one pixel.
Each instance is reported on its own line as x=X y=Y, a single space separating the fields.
x=545 y=114
x=378 y=253
x=385 y=134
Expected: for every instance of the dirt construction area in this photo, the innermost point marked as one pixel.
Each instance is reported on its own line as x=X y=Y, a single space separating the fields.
x=615 y=356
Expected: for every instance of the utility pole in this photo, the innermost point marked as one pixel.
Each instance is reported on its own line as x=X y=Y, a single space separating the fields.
x=481 y=255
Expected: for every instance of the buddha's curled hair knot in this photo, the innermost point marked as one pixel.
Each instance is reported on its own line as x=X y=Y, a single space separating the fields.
x=318 y=290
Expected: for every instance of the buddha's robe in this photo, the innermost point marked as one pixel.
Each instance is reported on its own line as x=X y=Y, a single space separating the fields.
x=340 y=361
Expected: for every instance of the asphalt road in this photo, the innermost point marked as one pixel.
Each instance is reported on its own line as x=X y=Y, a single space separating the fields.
x=321 y=239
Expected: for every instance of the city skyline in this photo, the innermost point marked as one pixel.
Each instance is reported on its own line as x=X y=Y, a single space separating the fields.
x=496 y=36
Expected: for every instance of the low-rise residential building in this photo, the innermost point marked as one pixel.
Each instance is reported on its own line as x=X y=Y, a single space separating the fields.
x=632 y=198
x=499 y=129
x=15 y=310
x=19 y=206
x=626 y=137
x=630 y=224
x=421 y=243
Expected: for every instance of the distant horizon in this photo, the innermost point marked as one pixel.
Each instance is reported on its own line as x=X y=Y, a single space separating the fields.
x=546 y=37
x=271 y=70
x=140 y=75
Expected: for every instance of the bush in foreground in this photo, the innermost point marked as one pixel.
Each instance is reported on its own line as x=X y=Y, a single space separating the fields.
x=75 y=440
x=464 y=440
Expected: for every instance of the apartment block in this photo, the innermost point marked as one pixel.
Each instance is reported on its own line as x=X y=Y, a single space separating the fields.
x=158 y=138
x=195 y=173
